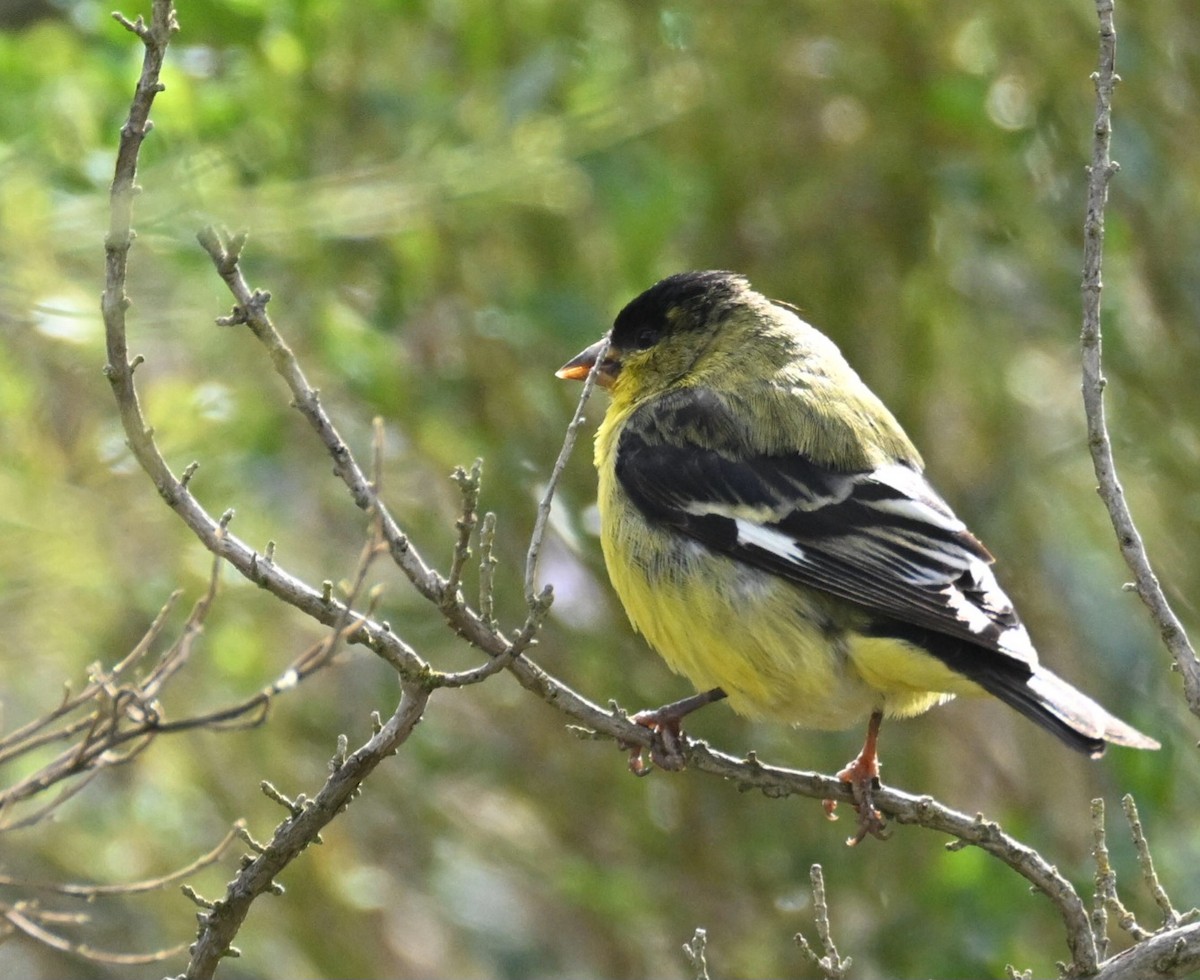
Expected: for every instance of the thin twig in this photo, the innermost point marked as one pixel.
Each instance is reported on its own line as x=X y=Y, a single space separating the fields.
x=1133 y=550
x=102 y=729
x=129 y=716
x=135 y=887
x=1105 y=880
x=18 y=919
x=25 y=739
x=31 y=819
x=831 y=963
x=1171 y=917
x=487 y=570
x=694 y=951
x=469 y=484
x=178 y=654
x=1106 y=899
x=538 y=604
x=532 y=598
x=115 y=302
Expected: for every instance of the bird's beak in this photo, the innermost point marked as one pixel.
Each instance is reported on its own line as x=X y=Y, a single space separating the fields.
x=580 y=366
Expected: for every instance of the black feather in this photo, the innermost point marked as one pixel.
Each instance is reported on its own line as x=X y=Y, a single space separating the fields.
x=663 y=479
x=1002 y=677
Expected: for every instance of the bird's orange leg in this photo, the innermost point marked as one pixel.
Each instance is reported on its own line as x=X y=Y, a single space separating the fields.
x=862 y=775
x=666 y=751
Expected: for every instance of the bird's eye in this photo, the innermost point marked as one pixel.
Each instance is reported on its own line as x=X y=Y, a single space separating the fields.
x=646 y=337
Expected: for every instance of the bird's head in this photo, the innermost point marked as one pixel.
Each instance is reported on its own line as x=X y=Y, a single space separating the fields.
x=664 y=334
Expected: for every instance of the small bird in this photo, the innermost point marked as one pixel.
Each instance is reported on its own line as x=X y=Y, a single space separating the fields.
x=768 y=528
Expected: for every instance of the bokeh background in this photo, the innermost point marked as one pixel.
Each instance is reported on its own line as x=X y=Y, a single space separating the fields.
x=449 y=198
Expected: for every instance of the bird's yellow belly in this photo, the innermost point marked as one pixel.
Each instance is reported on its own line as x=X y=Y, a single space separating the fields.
x=779 y=654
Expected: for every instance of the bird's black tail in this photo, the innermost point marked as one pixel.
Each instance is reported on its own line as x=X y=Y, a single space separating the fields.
x=1042 y=697
x=1071 y=715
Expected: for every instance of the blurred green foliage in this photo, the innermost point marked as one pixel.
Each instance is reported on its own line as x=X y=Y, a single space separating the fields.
x=449 y=198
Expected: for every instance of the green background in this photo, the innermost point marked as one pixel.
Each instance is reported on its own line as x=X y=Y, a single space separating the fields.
x=447 y=200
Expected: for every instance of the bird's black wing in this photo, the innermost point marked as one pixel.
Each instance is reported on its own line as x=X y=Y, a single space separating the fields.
x=881 y=538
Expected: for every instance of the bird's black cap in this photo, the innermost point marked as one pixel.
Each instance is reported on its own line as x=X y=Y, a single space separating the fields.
x=686 y=300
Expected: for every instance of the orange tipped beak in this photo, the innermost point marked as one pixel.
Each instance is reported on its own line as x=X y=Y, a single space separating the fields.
x=580 y=366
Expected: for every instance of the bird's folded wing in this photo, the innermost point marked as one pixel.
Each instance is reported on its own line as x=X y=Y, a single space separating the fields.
x=882 y=539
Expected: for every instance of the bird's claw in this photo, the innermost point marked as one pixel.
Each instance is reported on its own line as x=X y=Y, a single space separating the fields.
x=666 y=746
x=862 y=787
x=870 y=821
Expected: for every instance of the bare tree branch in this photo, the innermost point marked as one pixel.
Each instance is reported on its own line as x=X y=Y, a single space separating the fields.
x=116 y=711
x=1106 y=900
x=251 y=310
x=33 y=734
x=1171 y=916
x=113 y=711
x=478 y=629
x=1100 y=172
x=44 y=926
x=221 y=920
x=926 y=812
x=831 y=964
x=1164 y=956
x=26 y=922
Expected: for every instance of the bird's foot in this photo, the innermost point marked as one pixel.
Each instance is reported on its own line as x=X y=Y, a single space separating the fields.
x=668 y=742
x=666 y=747
x=863 y=780
x=862 y=776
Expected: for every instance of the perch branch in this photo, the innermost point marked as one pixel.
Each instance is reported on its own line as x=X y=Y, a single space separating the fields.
x=1164 y=956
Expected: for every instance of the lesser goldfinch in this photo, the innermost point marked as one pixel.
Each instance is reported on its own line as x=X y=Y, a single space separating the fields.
x=767 y=526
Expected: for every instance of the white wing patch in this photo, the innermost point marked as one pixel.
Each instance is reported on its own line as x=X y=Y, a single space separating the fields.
x=767 y=538
x=915 y=502
x=969 y=614
x=918 y=510
x=987 y=604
